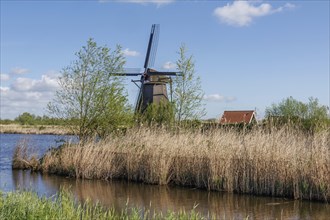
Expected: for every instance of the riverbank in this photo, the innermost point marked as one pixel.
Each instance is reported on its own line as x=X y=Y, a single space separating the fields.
x=28 y=205
x=282 y=163
x=33 y=129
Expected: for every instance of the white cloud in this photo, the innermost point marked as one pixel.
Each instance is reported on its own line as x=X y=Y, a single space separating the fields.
x=230 y=99
x=4 y=89
x=242 y=13
x=286 y=6
x=169 y=65
x=289 y=5
x=4 y=77
x=18 y=70
x=46 y=83
x=219 y=98
x=22 y=84
x=28 y=95
x=130 y=53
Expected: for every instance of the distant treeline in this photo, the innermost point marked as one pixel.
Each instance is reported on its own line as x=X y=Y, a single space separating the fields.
x=309 y=117
x=31 y=119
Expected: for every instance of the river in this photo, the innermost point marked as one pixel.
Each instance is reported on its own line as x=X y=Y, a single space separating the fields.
x=120 y=193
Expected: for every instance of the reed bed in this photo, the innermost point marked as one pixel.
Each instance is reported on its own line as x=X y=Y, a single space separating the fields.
x=33 y=129
x=283 y=163
x=28 y=205
x=25 y=157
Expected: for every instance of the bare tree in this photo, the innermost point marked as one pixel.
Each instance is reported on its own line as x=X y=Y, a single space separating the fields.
x=188 y=93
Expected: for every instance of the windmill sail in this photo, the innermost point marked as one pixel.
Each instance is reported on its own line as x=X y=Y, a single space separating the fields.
x=152 y=46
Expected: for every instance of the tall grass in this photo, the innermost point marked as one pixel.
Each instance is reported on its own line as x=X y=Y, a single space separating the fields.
x=28 y=205
x=282 y=163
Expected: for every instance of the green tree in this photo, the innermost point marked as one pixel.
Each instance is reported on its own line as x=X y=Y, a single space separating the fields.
x=158 y=114
x=90 y=97
x=310 y=116
x=26 y=119
x=188 y=93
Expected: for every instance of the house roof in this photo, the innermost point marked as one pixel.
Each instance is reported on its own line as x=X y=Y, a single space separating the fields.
x=232 y=117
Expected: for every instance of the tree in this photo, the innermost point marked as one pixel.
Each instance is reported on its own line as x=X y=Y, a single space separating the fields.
x=26 y=119
x=90 y=97
x=159 y=114
x=309 y=115
x=188 y=93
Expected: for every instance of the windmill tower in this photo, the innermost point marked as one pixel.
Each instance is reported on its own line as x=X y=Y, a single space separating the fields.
x=152 y=84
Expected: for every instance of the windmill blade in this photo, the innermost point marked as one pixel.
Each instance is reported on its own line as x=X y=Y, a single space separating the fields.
x=127 y=74
x=132 y=70
x=152 y=46
x=165 y=73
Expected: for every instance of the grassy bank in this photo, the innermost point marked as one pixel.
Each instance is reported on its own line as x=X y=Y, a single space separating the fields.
x=33 y=129
x=281 y=163
x=27 y=205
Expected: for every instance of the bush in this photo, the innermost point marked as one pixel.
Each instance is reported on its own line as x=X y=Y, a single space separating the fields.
x=310 y=116
x=158 y=114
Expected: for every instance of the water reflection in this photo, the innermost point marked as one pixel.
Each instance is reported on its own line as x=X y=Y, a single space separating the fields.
x=162 y=198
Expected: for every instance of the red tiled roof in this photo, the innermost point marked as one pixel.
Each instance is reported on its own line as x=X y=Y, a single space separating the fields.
x=232 y=117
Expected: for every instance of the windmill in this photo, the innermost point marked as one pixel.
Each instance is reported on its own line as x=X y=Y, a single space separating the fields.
x=152 y=83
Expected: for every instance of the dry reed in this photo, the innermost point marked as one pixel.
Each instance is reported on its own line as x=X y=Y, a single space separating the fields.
x=33 y=129
x=25 y=157
x=281 y=163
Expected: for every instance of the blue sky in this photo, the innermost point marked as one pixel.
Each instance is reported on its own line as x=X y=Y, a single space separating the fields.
x=248 y=54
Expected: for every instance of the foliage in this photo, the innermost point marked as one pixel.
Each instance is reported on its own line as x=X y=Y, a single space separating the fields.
x=27 y=118
x=27 y=205
x=90 y=97
x=188 y=93
x=309 y=116
x=158 y=114
x=6 y=121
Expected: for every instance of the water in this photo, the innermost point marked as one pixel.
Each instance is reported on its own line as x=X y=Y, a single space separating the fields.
x=38 y=143
x=118 y=194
